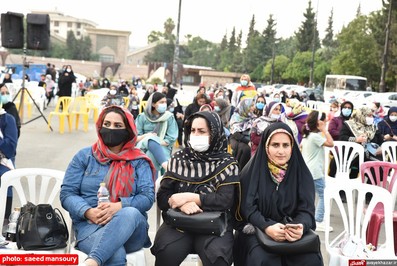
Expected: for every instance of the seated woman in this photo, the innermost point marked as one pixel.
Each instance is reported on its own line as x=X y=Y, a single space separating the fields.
x=276 y=184
x=201 y=177
x=387 y=128
x=272 y=114
x=157 y=130
x=107 y=231
x=240 y=128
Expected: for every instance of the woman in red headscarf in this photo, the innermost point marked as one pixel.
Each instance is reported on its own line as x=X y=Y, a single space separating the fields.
x=107 y=231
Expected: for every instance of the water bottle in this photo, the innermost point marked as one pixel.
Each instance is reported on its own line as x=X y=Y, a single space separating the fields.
x=12 y=224
x=103 y=193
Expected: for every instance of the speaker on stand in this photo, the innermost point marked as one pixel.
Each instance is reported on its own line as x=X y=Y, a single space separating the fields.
x=12 y=30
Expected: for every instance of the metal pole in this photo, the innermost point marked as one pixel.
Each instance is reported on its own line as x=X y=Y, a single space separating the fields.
x=311 y=78
x=176 y=52
x=273 y=58
x=382 y=84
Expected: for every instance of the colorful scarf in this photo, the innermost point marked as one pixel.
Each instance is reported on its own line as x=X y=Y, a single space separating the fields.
x=119 y=179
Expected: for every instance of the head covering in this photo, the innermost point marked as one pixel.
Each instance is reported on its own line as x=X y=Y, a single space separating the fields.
x=119 y=178
x=215 y=166
x=392 y=109
x=224 y=113
x=242 y=117
x=343 y=106
x=265 y=120
x=265 y=202
x=298 y=108
x=206 y=106
x=358 y=125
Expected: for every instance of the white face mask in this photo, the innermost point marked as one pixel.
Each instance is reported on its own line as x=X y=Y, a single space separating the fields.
x=369 y=121
x=275 y=116
x=393 y=118
x=112 y=92
x=199 y=143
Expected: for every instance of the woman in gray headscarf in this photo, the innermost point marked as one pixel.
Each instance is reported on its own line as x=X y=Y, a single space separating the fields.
x=157 y=130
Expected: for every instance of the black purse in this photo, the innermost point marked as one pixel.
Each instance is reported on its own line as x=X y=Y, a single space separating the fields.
x=40 y=227
x=204 y=223
x=309 y=242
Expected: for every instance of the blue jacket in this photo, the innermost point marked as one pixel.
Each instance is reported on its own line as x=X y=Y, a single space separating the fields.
x=8 y=144
x=81 y=183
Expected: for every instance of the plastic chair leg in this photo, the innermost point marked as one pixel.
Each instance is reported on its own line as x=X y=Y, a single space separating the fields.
x=85 y=119
x=373 y=230
x=69 y=117
x=77 y=116
x=61 y=124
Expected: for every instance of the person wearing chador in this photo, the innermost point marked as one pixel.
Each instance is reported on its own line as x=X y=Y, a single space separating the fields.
x=276 y=183
x=66 y=79
x=202 y=177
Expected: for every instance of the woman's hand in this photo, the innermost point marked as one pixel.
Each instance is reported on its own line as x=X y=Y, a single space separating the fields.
x=276 y=232
x=103 y=213
x=293 y=232
x=179 y=199
x=190 y=208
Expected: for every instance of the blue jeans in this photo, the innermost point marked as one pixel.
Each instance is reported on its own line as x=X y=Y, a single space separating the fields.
x=126 y=232
x=319 y=185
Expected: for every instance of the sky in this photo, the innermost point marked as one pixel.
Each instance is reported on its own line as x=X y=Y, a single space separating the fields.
x=209 y=19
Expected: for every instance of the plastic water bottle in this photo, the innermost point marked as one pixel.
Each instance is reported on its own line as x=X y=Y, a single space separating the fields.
x=103 y=193
x=12 y=224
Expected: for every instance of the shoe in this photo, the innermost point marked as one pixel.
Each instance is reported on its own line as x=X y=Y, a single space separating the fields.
x=320 y=227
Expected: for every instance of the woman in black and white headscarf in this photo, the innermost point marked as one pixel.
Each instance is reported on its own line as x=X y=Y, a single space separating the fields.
x=201 y=177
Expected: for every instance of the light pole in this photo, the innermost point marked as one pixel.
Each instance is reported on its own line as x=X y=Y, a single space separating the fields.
x=382 y=83
x=273 y=58
x=176 y=51
x=311 y=78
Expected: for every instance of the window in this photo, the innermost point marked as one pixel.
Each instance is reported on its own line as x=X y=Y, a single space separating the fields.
x=106 y=58
x=56 y=23
x=56 y=31
x=78 y=25
x=70 y=24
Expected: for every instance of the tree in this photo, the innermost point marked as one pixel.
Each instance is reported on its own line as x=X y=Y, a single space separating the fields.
x=357 y=53
x=307 y=35
x=299 y=69
x=328 y=40
x=281 y=63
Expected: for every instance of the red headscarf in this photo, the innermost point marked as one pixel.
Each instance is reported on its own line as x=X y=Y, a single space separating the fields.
x=119 y=178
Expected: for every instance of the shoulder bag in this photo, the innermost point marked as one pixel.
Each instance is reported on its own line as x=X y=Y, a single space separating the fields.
x=309 y=243
x=204 y=223
x=40 y=227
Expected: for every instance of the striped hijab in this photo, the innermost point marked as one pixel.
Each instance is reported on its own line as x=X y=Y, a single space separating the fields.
x=215 y=166
x=119 y=179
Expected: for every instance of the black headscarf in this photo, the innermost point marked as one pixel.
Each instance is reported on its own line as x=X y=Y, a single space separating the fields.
x=199 y=167
x=264 y=202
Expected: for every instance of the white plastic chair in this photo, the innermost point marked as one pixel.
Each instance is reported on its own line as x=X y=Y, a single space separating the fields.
x=37 y=185
x=191 y=258
x=355 y=219
x=344 y=152
x=311 y=104
x=389 y=151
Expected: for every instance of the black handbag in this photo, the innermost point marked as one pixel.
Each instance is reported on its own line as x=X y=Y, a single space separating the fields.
x=204 y=223
x=40 y=227
x=310 y=242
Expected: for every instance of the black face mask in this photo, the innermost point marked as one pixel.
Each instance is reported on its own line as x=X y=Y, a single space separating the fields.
x=114 y=137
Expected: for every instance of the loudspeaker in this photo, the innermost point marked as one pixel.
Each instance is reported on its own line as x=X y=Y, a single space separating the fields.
x=12 y=30
x=38 y=31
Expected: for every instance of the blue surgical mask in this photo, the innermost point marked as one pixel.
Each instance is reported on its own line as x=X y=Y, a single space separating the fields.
x=217 y=108
x=346 y=112
x=171 y=110
x=277 y=100
x=161 y=108
x=5 y=98
x=260 y=106
x=244 y=83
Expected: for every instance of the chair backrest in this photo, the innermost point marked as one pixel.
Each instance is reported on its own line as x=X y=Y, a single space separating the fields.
x=93 y=100
x=356 y=216
x=382 y=174
x=37 y=185
x=311 y=104
x=389 y=151
x=80 y=105
x=64 y=102
x=126 y=101
x=344 y=152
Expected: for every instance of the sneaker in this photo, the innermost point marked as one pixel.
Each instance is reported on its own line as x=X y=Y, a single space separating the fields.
x=320 y=227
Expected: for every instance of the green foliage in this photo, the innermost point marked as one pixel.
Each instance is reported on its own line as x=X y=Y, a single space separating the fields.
x=308 y=33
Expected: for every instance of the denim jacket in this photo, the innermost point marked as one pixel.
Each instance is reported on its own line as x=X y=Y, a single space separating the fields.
x=81 y=183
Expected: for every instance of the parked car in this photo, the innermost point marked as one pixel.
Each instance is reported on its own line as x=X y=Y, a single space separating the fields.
x=386 y=99
x=318 y=93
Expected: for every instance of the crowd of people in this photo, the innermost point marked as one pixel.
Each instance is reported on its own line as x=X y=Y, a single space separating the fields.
x=257 y=158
